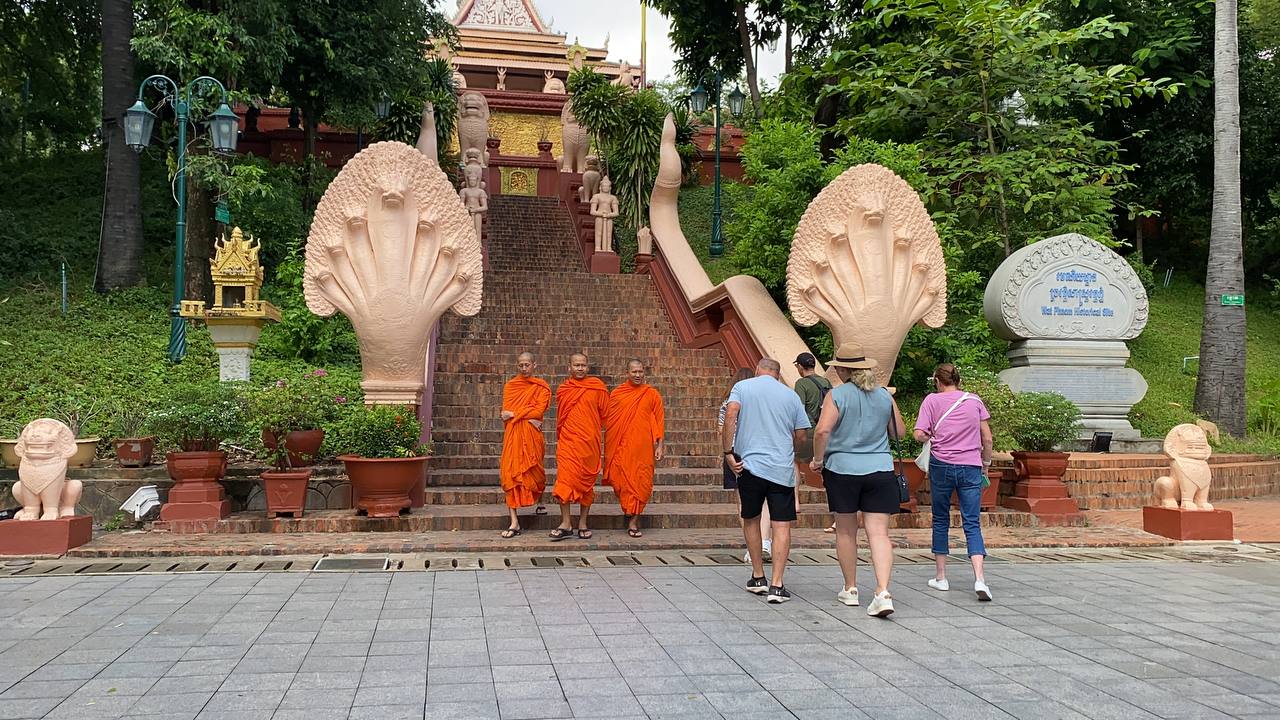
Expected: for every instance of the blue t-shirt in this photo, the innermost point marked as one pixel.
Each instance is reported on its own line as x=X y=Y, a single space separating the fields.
x=859 y=443
x=769 y=414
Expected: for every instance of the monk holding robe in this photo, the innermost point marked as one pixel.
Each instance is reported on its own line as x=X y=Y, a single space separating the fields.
x=633 y=443
x=524 y=401
x=581 y=404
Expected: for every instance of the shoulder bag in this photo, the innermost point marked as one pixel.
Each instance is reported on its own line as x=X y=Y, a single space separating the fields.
x=922 y=460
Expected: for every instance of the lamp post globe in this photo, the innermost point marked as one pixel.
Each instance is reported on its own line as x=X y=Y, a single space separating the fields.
x=698 y=100
x=138 y=123
x=224 y=128
x=737 y=101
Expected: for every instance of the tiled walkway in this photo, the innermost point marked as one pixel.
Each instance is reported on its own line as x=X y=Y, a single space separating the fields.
x=1123 y=640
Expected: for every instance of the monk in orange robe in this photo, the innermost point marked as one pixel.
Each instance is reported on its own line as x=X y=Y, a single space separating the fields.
x=633 y=443
x=525 y=399
x=581 y=405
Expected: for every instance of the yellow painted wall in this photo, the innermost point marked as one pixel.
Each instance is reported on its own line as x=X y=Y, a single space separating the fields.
x=519 y=133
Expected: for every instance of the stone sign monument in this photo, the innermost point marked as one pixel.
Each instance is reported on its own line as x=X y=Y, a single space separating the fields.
x=1068 y=304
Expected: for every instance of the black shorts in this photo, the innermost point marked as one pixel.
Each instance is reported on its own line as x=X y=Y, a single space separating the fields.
x=876 y=492
x=754 y=492
x=730 y=479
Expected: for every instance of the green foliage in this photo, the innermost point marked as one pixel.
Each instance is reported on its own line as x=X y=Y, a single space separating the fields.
x=117 y=522
x=198 y=415
x=300 y=402
x=999 y=399
x=1146 y=272
x=1266 y=415
x=379 y=431
x=404 y=123
x=279 y=218
x=78 y=412
x=1041 y=421
x=301 y=334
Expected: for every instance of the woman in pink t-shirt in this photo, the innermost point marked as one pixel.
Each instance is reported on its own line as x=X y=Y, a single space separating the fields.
x=960 y=450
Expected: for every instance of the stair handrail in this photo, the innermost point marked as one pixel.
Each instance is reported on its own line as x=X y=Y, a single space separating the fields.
x=758 y=314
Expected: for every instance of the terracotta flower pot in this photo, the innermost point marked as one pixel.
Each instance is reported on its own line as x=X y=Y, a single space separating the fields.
x=303 y=445
x=1042 y=466
x=7 y=453
x=86 y=451
x=200 y=466
x=1040 y=489
x=544 y=147
x=196 y=493
x=285 y=491
x=381 y=486
x=915 y=478
x=135 y=452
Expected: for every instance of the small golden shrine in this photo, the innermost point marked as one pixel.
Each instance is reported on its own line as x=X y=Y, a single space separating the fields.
x=237 y=315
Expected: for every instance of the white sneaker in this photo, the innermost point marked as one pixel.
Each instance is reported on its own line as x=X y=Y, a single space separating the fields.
x=768 y=550
x=848 y=597
x=941 y=585
x=881 y=605
x=984 y=592
x=767 y=554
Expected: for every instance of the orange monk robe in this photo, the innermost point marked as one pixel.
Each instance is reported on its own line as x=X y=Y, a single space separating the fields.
x=522 y=472
x=635 y=423
x=580 y=410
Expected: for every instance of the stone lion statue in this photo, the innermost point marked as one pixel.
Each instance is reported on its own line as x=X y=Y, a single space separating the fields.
x=574 y=140
x=43 y=490
x=473 y=124
x=1188 y=450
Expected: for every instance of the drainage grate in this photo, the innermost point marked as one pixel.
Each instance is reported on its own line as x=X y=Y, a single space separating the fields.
x=342 y=564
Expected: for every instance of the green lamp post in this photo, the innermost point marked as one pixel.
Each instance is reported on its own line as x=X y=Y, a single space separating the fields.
x=223 y=127
x=698 y=103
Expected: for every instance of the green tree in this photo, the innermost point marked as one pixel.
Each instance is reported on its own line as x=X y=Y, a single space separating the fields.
x=1220 y=380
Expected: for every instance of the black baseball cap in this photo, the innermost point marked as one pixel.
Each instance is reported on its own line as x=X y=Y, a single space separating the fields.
x=806 y=360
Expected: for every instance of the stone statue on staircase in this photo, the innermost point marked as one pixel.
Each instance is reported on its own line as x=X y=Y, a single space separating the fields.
x=473 y=125
x=427 y=142
x=590 y=179
x=604 y=207
x=474 y=197
x=574 y=139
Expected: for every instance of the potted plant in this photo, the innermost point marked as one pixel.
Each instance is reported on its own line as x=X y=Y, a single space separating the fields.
x=544 y=141
x=197 y=417
x=292 y=413
x=1041 y=421
x=10 y=429
x=134 y=447
x=79 y=414
x=384 y=456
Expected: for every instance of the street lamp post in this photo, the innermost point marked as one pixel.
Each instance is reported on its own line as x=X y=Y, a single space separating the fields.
x=698 y=103
x=138 y=124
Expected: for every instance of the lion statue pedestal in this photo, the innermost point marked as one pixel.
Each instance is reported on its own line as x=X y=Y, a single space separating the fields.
x=1184 y=512
x=47 y=523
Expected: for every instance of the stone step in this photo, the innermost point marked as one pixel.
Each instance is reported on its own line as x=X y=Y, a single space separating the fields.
x=494 y=517
x=490 y=462
x=604 y=494
x=495 y=436
x=488 y=477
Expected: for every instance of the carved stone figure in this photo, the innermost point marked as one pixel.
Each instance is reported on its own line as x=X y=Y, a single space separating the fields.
x=472 y=157
x=604 y=207
x=575 y=141
x=473 y=124
x=590 y=179
x=627 y=76
x=427 y=141
x=474 y=197
x=459 y=80
x=43 y=489
x=392 y=249
x=1189 y=479
x=866 y=261
x=644 y=241
x=552 y=85
x=576 y=55
x=502 y=78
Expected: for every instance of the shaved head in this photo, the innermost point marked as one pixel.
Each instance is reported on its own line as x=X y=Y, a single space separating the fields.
x=576 y=357
x=634 y=362
x=578 y=366
x=525 y=364
x=635 y=372
x=524 y=356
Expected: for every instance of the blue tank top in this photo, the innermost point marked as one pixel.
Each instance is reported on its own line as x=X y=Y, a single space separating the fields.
x=859 y=443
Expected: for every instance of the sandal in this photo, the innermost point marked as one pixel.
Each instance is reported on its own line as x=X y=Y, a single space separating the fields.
x=634 y=532
x=560 y=533
x=540 y=510
x=584 y=534
x=510 y=532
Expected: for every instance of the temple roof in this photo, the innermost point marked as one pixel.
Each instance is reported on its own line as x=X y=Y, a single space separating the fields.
x=510 y=15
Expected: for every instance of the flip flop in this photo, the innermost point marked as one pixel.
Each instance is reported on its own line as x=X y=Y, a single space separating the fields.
x=634 y=532
x=510 y=532
x=559 y=534
x=540 y=510
x=584 y=534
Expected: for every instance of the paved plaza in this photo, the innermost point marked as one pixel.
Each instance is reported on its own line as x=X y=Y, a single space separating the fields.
x=1129 y=640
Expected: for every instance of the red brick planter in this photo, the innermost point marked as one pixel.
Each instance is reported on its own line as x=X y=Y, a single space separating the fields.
x=381 y=487
x=196 y=492
x=1040 y=490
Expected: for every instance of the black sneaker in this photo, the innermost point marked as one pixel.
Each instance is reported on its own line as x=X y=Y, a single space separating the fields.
x=758 y=585
x=778 y=594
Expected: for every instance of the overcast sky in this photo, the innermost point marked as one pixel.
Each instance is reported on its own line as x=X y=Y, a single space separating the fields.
x=592 y=20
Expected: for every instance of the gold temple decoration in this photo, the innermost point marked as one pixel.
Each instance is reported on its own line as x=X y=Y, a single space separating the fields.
x=519 y=181
x=520 y=133
x=237 y=281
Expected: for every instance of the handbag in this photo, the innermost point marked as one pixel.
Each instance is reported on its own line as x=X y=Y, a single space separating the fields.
x=922 y=460
x=904 y=490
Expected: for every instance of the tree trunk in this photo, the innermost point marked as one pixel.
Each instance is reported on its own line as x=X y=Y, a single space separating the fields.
x=1220 y=382
x=120 y=235
x=786 y=48
x=748 y=57
x=199 y=284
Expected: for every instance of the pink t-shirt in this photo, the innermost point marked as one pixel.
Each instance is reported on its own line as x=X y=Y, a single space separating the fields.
x=958 y=440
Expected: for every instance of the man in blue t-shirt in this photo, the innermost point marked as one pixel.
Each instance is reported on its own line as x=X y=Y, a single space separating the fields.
x=764 y=423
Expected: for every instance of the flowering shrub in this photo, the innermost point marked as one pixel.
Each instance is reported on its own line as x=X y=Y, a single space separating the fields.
x=380 y=431
x=1043 y=420
x=198 y=415
x=307 y=402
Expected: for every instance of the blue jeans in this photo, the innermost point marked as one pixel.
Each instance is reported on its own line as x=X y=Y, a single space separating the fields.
x=966 y=481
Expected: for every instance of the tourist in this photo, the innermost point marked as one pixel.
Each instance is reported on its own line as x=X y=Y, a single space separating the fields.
x=956 y=425
x=812 y=388
x=525 y=399
x=763 y=425
x=730 y=477
x=851 y=448
x=581 y=404
x=633 y=443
